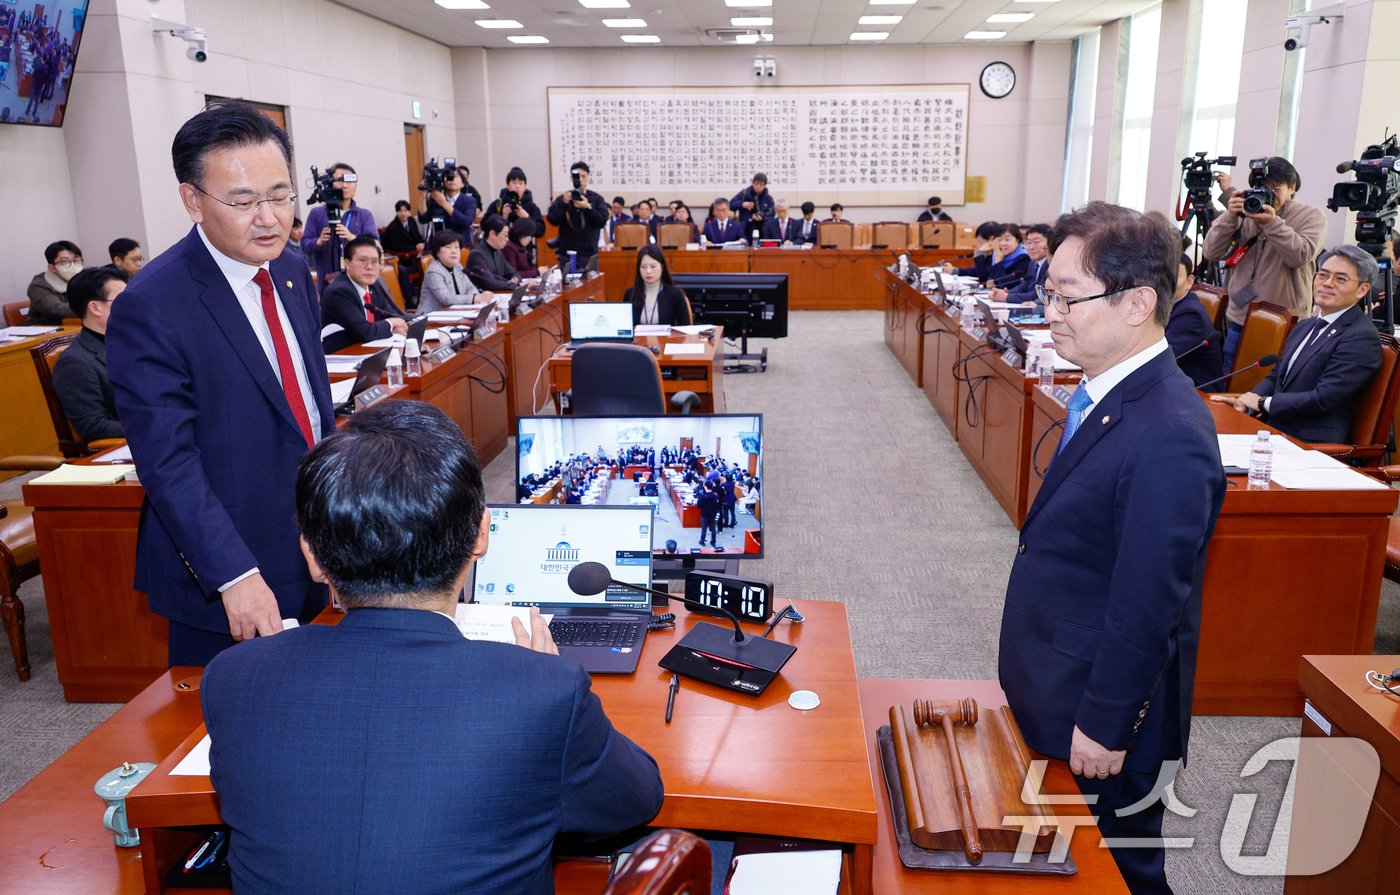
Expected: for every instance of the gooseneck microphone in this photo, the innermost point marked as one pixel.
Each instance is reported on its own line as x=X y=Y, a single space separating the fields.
x=1267 y=360
x=1203 y=343
x=589 y=578
x=1014 y=277
x=707 y=652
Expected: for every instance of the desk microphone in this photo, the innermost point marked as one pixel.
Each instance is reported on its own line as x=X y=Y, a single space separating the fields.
x=1267 y=360
x=707 y=652
x=1203 y=343
x=1014 y=276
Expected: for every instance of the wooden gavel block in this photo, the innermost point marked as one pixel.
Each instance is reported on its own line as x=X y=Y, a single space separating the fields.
x=960 y=779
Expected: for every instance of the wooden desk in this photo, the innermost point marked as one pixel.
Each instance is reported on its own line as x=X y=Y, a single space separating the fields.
x=729 y=762
x=1097 y=871
x=818 y=279
x=1337 y=692
x=533 y=337
x=702 y=374
x=27 y=426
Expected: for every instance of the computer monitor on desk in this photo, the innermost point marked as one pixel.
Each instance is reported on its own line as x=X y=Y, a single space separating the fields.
x=600 y=321
x=701 y=445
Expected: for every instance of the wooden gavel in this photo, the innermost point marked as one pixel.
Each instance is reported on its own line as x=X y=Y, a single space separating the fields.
x=949 y=712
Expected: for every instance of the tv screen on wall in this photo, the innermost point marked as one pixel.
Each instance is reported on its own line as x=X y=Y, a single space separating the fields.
x=38 y=48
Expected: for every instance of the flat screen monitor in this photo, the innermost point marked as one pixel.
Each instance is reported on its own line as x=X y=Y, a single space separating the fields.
x=751 y=305
x=606 y=320
x=593 y=460
x=38 y=49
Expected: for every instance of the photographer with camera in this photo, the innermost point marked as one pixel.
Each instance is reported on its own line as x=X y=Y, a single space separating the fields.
x=579 y=214
x=1269 y=242
x=337 y=215
x=450 y=206
x=516 y=203
x=754 y=205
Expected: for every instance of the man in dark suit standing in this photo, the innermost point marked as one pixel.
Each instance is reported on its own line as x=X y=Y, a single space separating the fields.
x=1103 y=609
x=389 y=753
x=1328 y=360
x=221 y=385
x=754 y=206
x=358 y=303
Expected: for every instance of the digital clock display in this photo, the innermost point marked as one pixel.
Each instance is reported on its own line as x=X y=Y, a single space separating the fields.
x=748 y=598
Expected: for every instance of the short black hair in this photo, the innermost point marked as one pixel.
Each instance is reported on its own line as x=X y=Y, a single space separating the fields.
x=391 y=505
x=52 y=249
x=222 y=126
x=935 y=200
x=1123 y=249
x=492 y=223
x=121 y=246
x=444 y=238
x=808 y=208
x=1043 y=229
x=760 y=177
x=340 y=166
x=618 y=200
x=837 y=206
x=297 y=222
x=516 y=173
x=402 y=203
x=359 y=242
x=1280 y=170
x=1010 y=228
x=671 y=545
x=576 y=166
x=89 y=285
x=987 y=230
x=1186 y=262
x=521 y=228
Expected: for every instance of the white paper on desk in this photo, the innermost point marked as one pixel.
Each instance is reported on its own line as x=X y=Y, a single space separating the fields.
x=694 y=329
x=24 y=332
x=340 y=391
x=72 y=474
x=343 y=363
x=196 y=763
x=684 y=348
x=1339 y=478
x=447 y=316
x=116 y=455
x=468 y=308
x=766 y=873
x=382 y=343
x=651 y=329
x=480 y=621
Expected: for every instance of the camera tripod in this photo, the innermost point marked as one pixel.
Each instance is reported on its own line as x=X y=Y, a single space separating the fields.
x=1197 y=213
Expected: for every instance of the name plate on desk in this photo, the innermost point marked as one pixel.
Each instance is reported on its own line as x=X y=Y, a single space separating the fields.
x=369 y=396
x=445 y=353
x=484 y=331
x=1061 y=394
x=1012 y=357
x=979 y=333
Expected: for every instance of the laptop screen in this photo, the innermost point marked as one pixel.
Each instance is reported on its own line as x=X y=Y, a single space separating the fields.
x=533 y=547
x=600 y=320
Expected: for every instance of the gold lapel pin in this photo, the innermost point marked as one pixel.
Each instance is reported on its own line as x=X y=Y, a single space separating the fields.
x=1105 y=419
x=289 y=284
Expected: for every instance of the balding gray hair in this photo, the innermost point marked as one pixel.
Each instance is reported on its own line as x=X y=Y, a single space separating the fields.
x=1366 y=267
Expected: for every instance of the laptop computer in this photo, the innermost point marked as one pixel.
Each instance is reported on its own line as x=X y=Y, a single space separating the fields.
x=533 y=548
x=599 y=321
x=516 y=297
x=367 y=376
x=989 y=322
x=417 y=328
x=939 y=288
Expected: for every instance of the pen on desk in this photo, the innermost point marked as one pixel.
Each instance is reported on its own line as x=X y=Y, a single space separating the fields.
x=671 y=696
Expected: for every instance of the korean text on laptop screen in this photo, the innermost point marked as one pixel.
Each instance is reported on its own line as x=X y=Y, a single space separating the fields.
x=600 y=320
x=532 y=549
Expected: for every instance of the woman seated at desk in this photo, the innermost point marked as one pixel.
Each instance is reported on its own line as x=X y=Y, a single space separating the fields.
x=1001 y=261
x=655 y=300
x=682 y=215
x=520 y=250
x=445 y=282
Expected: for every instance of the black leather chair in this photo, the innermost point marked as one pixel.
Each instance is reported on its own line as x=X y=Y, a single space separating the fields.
x=617 y=379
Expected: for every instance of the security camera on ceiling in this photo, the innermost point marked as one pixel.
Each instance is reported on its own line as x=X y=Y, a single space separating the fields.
x=1303 y=23
x=197 y=38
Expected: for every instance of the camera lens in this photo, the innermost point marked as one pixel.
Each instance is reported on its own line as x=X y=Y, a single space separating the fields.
x=1253 y=204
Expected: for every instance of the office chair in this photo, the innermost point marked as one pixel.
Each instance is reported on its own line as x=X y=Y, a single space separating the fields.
x=1266 y=326
x=19 y=560
x=1216 y=300
x=618 y=379
x=15 y=312
x=45 y=356
x=389 y=276
x=836 y=234
x=1370 y=425
x=631 y=236
x=674 y=236
x=893 y=235
x=668 y=862
x=936 y=234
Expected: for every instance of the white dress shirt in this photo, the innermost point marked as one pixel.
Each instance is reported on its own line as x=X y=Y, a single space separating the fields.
x=1102 y=384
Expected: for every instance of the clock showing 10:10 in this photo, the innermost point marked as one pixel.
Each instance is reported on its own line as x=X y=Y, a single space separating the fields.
x=998 y=79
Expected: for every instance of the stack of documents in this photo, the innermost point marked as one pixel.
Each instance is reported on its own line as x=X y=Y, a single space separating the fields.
x=810 y=872
x=343 y=363
x=15 y=333
x=685 y=348
x=72 y=474
x=1296 y=467
x=651 y=329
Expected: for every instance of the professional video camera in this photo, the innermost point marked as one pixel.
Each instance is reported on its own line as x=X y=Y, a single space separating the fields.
x=1375 y=197
x=324 y=189
x=1196 y=207
x=435 y=176
x=1258 y=195
x=1196 y=173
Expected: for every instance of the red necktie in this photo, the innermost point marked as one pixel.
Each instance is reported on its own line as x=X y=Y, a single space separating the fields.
x=369 y=307
x=290 y=388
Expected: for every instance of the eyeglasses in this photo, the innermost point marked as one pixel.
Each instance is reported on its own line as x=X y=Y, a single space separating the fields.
x=280 y=200
x=366 y=261
x=1327 y=276
x=1054 y=299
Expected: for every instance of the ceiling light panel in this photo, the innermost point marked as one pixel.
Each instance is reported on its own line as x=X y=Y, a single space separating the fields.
x=641 y=39
x=1007 y=18
x=498 y=23
x=527 y=39
x=984 y=35
x=880 y=20
x=869 y=35
x=461 y=4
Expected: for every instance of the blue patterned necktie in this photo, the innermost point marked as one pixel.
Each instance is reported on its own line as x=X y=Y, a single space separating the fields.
x=1078 y=403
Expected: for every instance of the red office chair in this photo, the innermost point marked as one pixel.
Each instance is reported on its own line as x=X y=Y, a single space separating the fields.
x=668 y=862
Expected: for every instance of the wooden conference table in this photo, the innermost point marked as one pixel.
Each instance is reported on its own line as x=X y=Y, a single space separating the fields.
x=818 y=279
x=1288 y=573
x=27 y=426
x=729 y=762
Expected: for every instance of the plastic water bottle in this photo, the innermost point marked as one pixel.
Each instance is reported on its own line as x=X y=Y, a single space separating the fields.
x=412 y=359
x=968 y=314
x=394 y=368
x=1261 y=461
x=1046 y=369
x=1033 y=362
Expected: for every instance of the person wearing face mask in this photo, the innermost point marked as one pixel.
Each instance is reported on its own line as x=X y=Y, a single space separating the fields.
x=487 y=265
x=654 y=298
x=80 y=374
x=445 y=282
x=48 y=304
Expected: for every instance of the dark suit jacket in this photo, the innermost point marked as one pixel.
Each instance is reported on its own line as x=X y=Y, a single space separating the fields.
x=1103 y=608
x=810 y=238
x=390 y=754
x=578 y=227
x=502 y=206
x=1315 y=397
x=490 y=269
x=670 y=306
x=343 y=303
x=1003 y=273
x=928 y=216
x=1188 y=327
x=1024 y=291
x=80 y=380
x=719 y=233
x=774 y=229
x=764 y=204
x=214 y=441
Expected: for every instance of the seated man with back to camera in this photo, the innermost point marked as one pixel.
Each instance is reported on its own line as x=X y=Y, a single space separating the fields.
x=389 y=753
x=80 y=373
x=1191 y=333
x=358 y=302
x=1327 y=361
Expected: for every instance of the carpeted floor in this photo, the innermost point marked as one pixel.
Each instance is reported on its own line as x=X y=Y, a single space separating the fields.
x=867 y=500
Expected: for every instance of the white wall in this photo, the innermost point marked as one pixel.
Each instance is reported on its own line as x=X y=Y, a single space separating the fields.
x=1016 y=142
x=36 y=204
